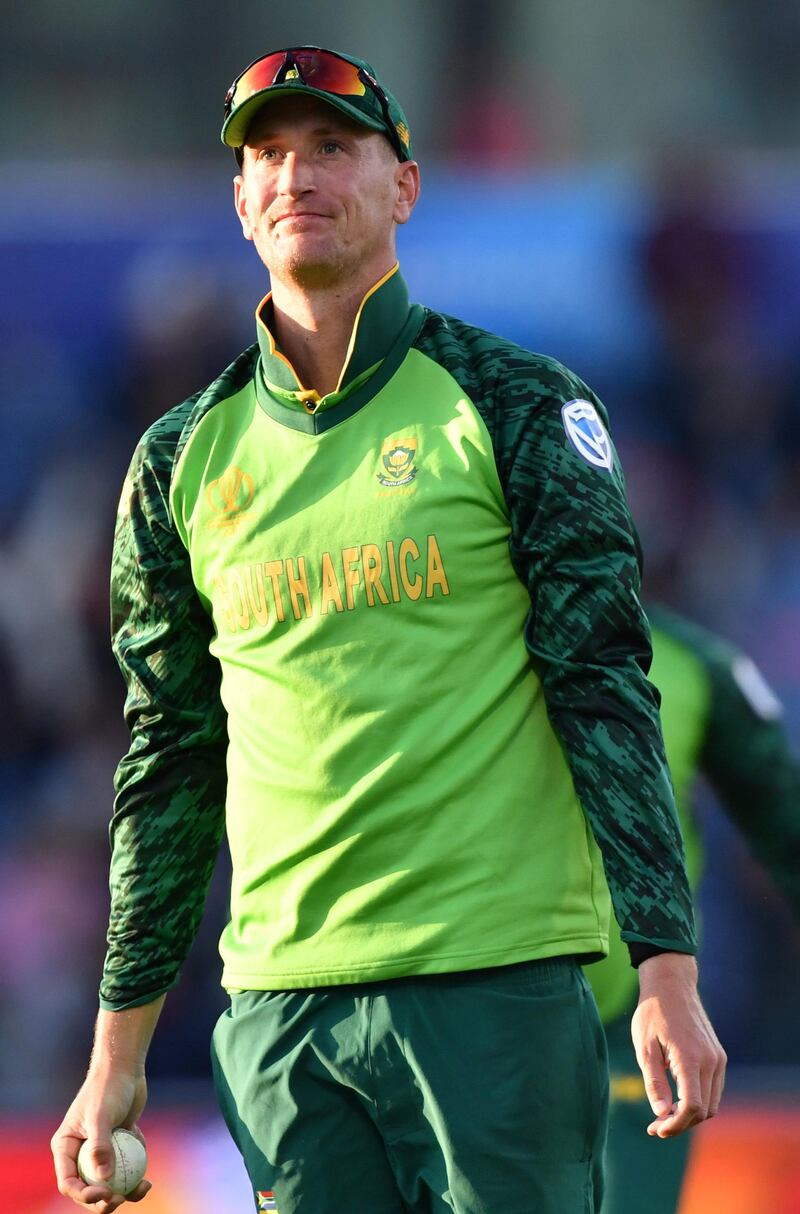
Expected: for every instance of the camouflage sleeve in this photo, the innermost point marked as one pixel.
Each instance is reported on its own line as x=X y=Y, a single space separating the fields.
x=574 y=546
x=170 y=787
x=749 y=761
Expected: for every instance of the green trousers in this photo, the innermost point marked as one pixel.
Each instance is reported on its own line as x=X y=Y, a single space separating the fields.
x=642 y=1173
x=482 y=1092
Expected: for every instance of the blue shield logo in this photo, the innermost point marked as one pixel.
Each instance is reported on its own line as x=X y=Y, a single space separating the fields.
x=587 y=433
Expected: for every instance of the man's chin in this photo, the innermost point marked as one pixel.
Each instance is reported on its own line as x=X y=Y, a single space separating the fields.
x=310 y=268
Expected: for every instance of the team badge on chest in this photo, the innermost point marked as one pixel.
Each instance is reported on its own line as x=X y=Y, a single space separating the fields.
x=398 y=459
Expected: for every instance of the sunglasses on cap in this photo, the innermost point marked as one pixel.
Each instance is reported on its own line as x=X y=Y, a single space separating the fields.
x=317 y=69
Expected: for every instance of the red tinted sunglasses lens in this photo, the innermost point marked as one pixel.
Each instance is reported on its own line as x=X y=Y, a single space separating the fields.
x=259 y=75
x=326 y=72
x=318 y=69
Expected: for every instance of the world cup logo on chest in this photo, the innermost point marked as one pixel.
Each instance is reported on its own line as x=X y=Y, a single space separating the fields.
x=229 y=496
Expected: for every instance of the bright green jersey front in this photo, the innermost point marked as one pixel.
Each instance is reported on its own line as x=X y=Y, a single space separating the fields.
x=393 y=637
x=388 y=737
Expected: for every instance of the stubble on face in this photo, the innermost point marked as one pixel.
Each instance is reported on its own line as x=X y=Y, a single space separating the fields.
x=311 y=267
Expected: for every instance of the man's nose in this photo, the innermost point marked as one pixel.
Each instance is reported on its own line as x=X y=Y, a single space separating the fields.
x=295 y=176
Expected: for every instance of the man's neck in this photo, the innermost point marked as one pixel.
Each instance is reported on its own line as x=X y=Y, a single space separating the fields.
x=313 y=328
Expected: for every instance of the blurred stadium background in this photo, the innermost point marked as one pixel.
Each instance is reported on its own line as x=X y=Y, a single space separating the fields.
x=615 y=184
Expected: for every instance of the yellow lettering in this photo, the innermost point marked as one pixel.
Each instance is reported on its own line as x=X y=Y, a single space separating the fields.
x=242 y=611
x=413 y=588
x=387 y=572
x=372 y=564
x=352 y=577
x=436 y=573
x=273 y=570
x=298 y=587
x=392 y=571
x=330 y=586
x=257 y=601
x=228 y=613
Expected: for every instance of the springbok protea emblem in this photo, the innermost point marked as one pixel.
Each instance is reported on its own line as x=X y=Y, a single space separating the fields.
x=397 y=462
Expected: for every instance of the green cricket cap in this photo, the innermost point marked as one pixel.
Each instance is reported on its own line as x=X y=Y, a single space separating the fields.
x=348 y=84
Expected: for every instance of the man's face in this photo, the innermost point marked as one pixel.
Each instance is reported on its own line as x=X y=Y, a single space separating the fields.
x=320 y=195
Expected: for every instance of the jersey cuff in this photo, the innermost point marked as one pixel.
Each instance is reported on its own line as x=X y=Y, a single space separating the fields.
x=640 y=952
x=121 y=1005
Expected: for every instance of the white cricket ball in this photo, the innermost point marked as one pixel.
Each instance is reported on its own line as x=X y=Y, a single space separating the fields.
x=130 y=1163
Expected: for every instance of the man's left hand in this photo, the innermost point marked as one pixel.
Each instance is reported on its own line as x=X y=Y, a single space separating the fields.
x=672 y=1033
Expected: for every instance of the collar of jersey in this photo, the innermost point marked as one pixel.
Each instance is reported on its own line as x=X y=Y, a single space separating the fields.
x=380 y=317
x=383 y=331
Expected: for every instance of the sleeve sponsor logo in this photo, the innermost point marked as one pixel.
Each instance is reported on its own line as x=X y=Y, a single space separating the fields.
x=397 y=462
x=588 y=434
x=229 y=496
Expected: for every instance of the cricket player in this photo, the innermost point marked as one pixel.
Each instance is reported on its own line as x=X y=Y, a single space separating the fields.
x=721 y=720
x=375 y=596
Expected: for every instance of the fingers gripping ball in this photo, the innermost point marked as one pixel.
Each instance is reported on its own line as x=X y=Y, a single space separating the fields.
x=130 y=1163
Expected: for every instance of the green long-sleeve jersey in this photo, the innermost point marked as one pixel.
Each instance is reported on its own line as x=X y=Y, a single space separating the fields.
x=390 y=639
x=720 y=720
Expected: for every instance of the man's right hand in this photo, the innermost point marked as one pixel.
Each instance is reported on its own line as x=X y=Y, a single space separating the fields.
x=104 y=1102
x=113 y=1094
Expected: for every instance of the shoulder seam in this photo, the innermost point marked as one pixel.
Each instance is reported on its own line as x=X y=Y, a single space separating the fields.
x=217 y=392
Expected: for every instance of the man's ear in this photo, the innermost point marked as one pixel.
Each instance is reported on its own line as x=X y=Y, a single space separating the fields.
x=240 y=202
x=408 y=188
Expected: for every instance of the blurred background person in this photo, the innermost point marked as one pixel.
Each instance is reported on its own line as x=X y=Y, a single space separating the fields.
x=721 y=721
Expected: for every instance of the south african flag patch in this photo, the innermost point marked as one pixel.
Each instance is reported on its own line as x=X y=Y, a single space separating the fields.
x=266 y=1200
